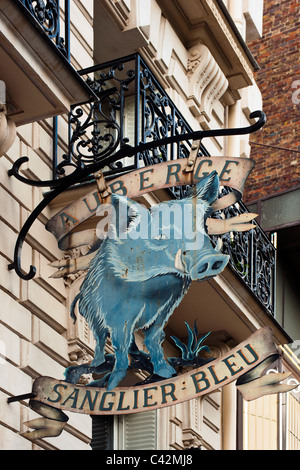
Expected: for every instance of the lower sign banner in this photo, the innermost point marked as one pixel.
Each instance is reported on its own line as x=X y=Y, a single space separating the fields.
x=245 y=363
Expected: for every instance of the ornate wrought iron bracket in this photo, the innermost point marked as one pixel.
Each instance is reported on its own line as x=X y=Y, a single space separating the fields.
x=85 y=169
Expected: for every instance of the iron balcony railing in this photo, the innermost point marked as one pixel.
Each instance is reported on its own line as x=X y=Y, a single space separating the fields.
x=252 y=257
x=133 y=108
x=46 y=14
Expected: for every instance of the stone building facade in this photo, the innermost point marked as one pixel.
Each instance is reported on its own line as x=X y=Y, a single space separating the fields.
x=197 y=51
x=272 y=190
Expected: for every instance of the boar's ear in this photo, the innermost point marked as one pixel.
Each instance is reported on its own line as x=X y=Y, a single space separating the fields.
x=117 y=200
x=127 y=213
x=208 y=188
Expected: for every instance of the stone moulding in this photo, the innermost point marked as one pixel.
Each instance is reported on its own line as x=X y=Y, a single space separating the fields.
x=7 y=131
x=207 y=82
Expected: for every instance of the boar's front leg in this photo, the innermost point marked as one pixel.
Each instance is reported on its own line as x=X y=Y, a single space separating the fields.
x=154 y=336
x=121 y=339
x=99 y=357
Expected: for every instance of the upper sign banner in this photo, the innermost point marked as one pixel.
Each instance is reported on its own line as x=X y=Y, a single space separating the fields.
x=232 y=171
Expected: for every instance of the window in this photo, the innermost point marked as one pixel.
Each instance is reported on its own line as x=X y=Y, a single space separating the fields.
x=102 y=432
x=137 y=431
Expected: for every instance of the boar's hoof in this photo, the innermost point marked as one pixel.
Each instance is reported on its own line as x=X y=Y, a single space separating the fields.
x=166 y=371
x=73 y=373
x=115 y=378
x=100 y=382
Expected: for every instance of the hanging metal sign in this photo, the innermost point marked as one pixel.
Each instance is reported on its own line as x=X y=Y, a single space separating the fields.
x=146 y=261
x=245 y=364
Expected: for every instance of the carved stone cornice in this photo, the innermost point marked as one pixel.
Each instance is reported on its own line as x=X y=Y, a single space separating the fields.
x=205 y=21
x=231 y=38
x=219 y=343
x=191 y=439
x=119 y=10
x=207 y=82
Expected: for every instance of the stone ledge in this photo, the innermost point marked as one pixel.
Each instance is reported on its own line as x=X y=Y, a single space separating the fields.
x=39 y=80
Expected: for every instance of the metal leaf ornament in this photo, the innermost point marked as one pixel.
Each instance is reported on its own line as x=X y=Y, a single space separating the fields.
x=191 y=350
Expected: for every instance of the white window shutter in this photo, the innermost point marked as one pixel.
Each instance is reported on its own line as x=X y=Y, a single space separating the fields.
x=140 y=431
x=102 y=432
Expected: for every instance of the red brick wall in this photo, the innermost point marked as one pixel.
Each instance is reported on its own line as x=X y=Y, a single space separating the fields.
x=278 y=54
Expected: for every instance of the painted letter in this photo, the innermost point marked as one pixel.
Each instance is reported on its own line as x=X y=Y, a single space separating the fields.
x=73 y=397
x=148 y=397
x=67 y=219
x=250 y=349
x=135 y=403
x=120 y=405
x=206 y=173
x=96 y=196
x=177 y=168
x=217 y=381
x=110 y=404
x=120 y=187
x=227 y=163
x=165 y=394
x=230 y=366
x=142 y=179
x=88 y=397
x=59 y=397
x=201 y=379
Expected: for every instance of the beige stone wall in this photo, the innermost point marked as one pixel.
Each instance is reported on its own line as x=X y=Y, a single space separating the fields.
x=37 y=337
x=34 y=318
x=193 y=424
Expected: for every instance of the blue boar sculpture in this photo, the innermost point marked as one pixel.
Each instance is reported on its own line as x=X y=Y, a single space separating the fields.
x=139 y=275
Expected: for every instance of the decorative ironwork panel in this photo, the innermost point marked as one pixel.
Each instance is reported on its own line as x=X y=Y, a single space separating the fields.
x=252 y=257
x=132 y=124
x=132 y=109
x=47 y=14
x=263 y=259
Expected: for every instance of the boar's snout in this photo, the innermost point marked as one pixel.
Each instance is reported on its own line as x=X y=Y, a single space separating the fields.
x=207 y=266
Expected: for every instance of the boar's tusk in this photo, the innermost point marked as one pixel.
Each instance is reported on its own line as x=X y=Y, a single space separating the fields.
x=178 y=262
x=219 y=244
x=71 y=265
x=239 y=223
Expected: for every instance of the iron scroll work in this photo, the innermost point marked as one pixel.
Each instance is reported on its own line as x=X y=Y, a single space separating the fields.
x=147 y=265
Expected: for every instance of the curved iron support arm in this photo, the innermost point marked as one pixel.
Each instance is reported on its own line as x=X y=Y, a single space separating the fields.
x=16 y=265
x=82 y=172
x=128 y=151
